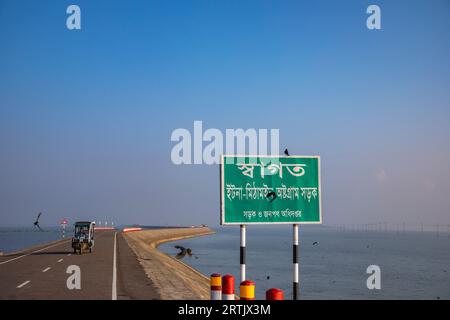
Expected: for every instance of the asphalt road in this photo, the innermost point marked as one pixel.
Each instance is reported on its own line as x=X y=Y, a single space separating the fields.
x=111 y=271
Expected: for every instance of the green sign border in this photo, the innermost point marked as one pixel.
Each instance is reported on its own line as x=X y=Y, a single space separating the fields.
x=222 y=194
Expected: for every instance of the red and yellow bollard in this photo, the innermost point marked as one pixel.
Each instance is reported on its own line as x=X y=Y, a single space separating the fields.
x=274 y=294
x=216 y=287
x=228 y=287
x=247 y=290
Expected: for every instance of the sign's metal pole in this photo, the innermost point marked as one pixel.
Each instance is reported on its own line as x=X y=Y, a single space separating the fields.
x=295 y=289
x=242 y=252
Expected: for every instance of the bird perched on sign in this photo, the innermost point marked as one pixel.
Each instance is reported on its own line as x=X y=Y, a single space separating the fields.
x=286 y=152
x=36 y=223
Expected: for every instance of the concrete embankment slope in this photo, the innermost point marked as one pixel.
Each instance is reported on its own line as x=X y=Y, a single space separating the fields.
x=172 y=279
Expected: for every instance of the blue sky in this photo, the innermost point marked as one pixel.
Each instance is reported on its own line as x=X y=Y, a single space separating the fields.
x=86 y=116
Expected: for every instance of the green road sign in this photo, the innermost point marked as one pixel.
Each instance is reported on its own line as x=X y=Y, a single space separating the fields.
x=270 y=190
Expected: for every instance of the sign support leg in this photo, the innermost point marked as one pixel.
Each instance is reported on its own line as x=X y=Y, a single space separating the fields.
x=242 y=252
x=295 y=288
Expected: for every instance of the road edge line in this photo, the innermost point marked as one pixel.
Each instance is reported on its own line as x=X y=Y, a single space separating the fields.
x=114 y=279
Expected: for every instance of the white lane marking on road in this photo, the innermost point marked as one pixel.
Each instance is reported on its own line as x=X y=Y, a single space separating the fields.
x=60 y=260
x=23 y=284
x=114 y=279
x=25 y=255
x=46 y=269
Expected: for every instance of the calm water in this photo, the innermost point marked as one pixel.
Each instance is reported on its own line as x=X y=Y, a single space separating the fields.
x=413 y=265
x=13 y=239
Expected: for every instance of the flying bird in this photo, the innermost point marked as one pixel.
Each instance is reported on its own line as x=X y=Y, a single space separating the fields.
x=182 y=253
x=286 y=152
x=315 y=243
x=36 y=223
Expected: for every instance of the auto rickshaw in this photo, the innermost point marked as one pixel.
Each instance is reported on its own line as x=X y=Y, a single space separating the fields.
x=83 y=238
